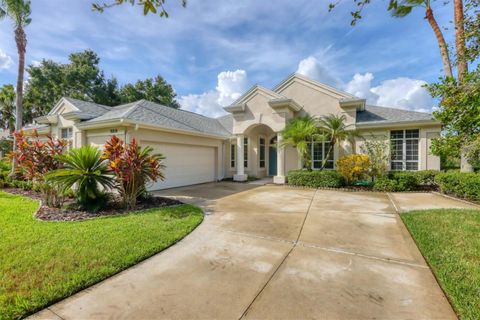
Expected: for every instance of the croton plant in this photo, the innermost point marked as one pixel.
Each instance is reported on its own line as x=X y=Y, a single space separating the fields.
x=133 y=166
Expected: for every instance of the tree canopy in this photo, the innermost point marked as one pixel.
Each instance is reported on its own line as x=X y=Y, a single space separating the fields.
x=82 y=78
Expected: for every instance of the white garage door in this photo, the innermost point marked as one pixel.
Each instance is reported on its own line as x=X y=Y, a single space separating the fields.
x=185 y=165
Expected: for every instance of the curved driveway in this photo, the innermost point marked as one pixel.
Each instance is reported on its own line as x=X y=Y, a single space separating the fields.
x=280 y=253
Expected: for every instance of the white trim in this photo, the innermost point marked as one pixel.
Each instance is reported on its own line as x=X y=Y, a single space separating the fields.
x=254 y=89
x=399 y=124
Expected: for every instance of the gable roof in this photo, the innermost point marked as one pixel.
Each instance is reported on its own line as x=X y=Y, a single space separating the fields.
x=257 y=88
x=84 y=107
x=375 y=115
x=147 y=112
x=328 y=89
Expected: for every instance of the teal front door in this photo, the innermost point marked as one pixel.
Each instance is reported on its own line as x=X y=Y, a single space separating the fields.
x=272 y=161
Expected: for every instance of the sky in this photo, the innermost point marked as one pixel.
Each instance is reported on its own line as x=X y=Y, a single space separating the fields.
x=212 y=51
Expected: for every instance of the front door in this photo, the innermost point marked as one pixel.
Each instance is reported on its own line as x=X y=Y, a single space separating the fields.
x=272 y=157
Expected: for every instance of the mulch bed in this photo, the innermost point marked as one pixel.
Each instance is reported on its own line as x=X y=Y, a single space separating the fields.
x=70 y=214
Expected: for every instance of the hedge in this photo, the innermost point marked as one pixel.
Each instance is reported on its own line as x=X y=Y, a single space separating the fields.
x=405 y=180
x=460 y=184
x=316 y=179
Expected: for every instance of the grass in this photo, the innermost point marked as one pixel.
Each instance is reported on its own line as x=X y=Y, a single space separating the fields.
x=43 y=262
x=450 y=242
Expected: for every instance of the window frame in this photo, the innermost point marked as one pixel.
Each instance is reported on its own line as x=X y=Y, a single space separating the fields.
x=403 y=140
x=69 y=133
x=260 y=148
x=246 y=143
x=324 y=149
x=233 y=155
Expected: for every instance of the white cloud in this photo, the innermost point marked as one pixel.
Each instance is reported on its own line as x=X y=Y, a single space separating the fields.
x=311 y=67
x=5 y=60
x=404 y=93
x=230 y=86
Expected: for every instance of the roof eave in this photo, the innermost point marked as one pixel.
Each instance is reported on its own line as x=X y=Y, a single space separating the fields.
x=395 y=124
x=282 y=103
x=235 y=108
x=358 y=103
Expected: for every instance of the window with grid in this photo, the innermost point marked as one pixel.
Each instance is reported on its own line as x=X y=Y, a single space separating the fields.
x=67 y=133
x=245 y=152
x=404 y=149
x=262 y=152
x=232 y=155
x=319 y=152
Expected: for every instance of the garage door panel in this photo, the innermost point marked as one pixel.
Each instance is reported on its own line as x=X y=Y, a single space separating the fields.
x=185 y=165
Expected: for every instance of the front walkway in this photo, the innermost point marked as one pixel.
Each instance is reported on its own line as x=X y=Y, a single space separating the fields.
x=278 y=252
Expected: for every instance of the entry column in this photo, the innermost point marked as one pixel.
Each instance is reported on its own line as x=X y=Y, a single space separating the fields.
x=280 y=177
x=240 y=176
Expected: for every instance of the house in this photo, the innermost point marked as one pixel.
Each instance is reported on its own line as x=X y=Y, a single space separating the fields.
x=201 y=149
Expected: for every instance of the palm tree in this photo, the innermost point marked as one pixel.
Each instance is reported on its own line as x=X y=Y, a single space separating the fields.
x=333 y=129
x=86 y=170
x=462 y=66
x=7 y=107
x=19 y=12
x=404 y=7
x=300 y=132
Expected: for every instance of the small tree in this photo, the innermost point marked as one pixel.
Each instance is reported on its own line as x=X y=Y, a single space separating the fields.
x=134 y=167
x=377 y=151
x=300 y=132
x=333 y=129
x=353 y=167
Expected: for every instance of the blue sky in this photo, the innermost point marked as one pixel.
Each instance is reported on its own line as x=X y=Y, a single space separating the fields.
x=213 y=50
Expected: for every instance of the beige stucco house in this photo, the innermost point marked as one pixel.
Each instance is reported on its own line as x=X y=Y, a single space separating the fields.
x=201 y=149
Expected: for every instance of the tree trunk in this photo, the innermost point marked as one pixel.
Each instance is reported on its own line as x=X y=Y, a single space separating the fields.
x=326 y=156
x=462 y=66
x=442 y=44
x=21 y=40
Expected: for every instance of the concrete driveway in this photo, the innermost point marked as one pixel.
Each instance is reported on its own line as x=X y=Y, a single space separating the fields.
x=280 y=253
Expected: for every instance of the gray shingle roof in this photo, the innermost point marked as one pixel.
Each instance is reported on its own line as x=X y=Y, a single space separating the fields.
x=94 y=109
x=384 y=115
x=152 y=113
x=227 y=122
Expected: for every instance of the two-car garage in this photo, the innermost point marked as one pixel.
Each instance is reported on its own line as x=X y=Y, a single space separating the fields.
x=185 y=164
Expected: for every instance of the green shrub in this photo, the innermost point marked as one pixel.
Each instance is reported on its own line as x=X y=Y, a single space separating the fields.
x=316 y=179
x=385 y=184
x=426 y=177
x=460 y=184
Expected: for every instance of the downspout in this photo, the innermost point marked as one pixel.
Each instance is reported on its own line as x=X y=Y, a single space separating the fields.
x=222 y=175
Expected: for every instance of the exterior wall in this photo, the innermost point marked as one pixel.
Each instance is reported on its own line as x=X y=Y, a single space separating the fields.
x=316 y=101
x=427 y=161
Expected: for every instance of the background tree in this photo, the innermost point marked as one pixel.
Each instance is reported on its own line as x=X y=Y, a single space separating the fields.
x=153 y=6
x=7 y=107
x=82 y=78
x=151 y=89
x=19 y=12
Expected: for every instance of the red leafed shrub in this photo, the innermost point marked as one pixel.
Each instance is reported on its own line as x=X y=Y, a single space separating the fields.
x=133 y=166
x=35 y=157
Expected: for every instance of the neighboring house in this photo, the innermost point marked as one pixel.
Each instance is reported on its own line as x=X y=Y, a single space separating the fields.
x=201 y=149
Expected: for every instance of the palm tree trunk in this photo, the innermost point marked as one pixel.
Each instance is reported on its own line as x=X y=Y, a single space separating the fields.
x=462 y=66
x=325 y=159
x=21 y=40
x=442 y=44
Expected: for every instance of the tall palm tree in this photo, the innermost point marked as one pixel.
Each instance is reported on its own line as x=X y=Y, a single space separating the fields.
x=404 y=7
x=19 y=12
x=7 y=107
x=333 y=129
x=300 y=132
x=462 y=65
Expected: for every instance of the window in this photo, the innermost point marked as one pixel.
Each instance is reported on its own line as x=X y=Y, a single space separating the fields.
x=67 y=133
x=233 y=148
x=245 y=152
x=319 y=152
x=262 y=152
x=404 y=149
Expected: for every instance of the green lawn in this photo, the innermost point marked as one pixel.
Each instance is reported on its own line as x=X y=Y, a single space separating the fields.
x=43 y=262
x=450 y=241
